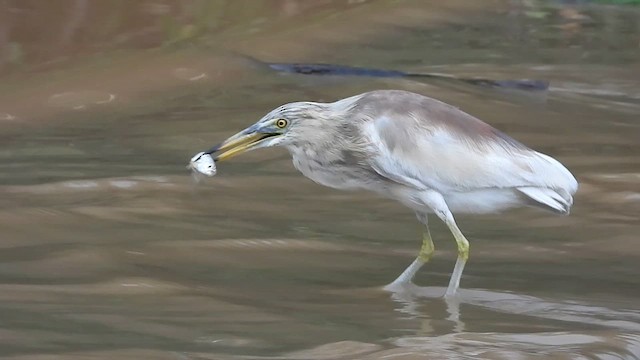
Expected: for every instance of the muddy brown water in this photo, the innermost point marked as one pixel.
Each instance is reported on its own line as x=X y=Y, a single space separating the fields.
x=109 y=249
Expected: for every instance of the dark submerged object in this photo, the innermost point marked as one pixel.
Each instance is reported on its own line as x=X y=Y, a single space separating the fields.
x=343 y=70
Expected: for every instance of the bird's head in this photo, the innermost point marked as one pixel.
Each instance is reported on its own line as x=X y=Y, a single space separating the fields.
x=284 y=126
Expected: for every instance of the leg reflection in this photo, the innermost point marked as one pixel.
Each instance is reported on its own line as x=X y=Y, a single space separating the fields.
x=425 y=304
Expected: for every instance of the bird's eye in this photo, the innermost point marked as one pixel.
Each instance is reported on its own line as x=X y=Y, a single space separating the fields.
x=281 y=123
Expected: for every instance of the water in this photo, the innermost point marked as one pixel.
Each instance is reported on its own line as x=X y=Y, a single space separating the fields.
x=110 y=250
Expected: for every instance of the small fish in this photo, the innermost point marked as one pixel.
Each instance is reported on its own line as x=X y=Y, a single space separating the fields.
x=203 y=163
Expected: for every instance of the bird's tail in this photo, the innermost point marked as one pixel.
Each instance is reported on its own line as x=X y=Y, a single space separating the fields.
x=558 y=201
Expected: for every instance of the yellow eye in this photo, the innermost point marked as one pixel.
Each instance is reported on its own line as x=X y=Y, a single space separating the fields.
x=281 y=123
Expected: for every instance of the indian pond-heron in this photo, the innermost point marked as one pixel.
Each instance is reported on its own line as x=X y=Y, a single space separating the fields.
x=432 y=157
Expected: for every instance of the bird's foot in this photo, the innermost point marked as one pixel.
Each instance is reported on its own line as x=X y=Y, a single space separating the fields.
x=452 y=294
x=399 y=286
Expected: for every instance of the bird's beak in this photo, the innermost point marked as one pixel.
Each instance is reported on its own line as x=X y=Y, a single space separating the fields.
x=239 y=143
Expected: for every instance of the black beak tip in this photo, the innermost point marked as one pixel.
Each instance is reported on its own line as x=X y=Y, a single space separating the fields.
x=213 y=149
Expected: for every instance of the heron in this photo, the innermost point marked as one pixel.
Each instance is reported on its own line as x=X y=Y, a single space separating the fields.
x=430 y=156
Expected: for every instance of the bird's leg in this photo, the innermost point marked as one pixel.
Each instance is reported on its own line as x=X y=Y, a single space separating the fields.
x=436 y=202
x=463 y=255
x=426 y=251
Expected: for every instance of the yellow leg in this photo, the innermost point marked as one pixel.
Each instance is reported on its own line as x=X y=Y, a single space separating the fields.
x=436 y=202
x=461 y=241
x=463 y=256
x=426 y=252
x=427 y=249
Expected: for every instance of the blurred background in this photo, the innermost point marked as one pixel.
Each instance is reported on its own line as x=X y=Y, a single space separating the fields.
x=109 y=248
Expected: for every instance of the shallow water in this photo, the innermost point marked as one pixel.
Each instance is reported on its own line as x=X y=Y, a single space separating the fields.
x=109 y=249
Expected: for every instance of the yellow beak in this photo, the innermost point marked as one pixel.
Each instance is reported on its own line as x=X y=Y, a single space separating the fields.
x=237 y=144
